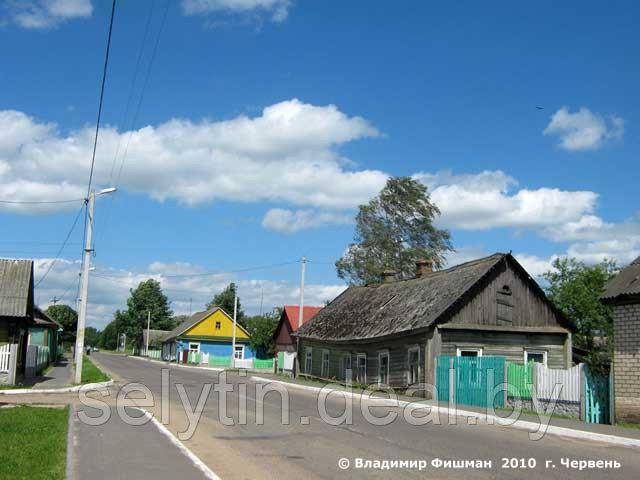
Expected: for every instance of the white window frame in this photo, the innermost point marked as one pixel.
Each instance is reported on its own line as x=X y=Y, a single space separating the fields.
x=308 y=360
x=384 y=353
x=193 y=343
x=358 y=357
x=527 y=351
x=324 y=373
x=241 y=352
x=414 y=348
x=478 y=350
x=346 y=359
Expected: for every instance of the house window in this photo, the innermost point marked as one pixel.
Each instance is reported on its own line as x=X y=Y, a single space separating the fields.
x=194 y=347
x=361 y=368
x=413 y=364
x=538 y=356
x=308 y=360
x=217 y=325
x=469 y=351
x=324 y=372
x=239 y=352
x=346 y=366
x=383 y=368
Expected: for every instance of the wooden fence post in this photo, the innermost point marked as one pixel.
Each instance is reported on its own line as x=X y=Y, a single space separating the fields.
x=506 y=383
x=13 y=363
x=452 y=382
x=583 y=405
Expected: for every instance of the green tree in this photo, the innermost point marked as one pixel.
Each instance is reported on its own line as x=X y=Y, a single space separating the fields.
x=225 y=299
x=148 y=297
x=575 y=289
x=178 y=319
x=68 y=318
x=261 y=328
x=393 y=231
x=91 y=337
x=108 y=337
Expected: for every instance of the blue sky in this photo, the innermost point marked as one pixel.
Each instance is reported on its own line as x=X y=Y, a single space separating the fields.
x=264 y=123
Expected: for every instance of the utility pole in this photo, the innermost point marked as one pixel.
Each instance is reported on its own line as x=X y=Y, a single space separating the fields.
x=54 y=299
x=261 y=298
x=304 y=263
x=235 y=315
x=146 y=347
x=84 y=292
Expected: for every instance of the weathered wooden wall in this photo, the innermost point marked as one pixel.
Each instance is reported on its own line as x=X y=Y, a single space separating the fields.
x=510 y=345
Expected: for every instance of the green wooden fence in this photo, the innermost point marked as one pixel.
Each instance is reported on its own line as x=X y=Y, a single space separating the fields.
x=519 y=376
x=219 y=361
x=596 y=398
x=257 y=363
x=475 y=379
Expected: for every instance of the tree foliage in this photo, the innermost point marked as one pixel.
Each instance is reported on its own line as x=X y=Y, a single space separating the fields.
x=68 y=318
x=225 y=300
x=575 y=289
x=393 y=231
x=91 y=336
x=261 y=328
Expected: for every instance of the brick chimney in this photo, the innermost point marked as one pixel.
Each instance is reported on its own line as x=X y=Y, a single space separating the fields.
x=423 y=267
x=388 y=276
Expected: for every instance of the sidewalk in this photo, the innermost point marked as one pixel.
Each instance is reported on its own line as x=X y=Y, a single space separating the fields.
x=577 y=425
x=60 y=375
x=118 y=450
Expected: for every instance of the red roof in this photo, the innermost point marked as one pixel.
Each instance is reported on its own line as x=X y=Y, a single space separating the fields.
x=293 y=311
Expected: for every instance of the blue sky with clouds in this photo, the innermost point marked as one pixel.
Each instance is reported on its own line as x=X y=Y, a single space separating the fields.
x=244 y=133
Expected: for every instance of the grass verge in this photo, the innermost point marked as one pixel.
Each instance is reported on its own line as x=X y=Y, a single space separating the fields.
x=91 y=373
x=33 y=443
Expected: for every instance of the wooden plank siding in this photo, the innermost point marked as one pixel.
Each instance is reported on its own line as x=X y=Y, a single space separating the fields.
x=398 y=358
x=510 y=345
x=488 y=306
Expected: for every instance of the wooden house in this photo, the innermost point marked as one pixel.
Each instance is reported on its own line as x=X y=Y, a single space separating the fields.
x=208 y=332
x=622 y=292
x=392 y=333
x=288 y=324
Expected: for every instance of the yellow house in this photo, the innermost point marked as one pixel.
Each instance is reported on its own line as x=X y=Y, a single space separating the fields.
x=208 y=332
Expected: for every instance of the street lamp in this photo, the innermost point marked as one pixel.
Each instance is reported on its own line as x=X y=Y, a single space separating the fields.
x=82 y=317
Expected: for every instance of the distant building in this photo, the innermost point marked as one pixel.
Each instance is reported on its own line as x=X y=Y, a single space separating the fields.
x=209 y=332
x=285 y=344
x=623 y=293
x=392 y=333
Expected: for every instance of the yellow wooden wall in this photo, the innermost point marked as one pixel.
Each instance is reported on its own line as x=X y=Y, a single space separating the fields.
x=207 y=327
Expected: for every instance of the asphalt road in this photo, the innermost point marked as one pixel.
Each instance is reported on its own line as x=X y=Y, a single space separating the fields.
x=313 y=450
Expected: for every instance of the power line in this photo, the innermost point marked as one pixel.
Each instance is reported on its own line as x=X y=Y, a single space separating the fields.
x=66 y=239
x=41 y=202
x=104 y=79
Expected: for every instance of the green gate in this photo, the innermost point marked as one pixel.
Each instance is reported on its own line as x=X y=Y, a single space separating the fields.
x=474 y=380
x=596 y=398
x=520 y=377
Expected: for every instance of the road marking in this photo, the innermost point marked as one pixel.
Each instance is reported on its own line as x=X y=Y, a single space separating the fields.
x=199 y=464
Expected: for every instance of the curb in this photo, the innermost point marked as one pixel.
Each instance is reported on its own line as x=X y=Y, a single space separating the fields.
x=199 y=464
x=486 y=418
x=169 y=364
x=77 y=388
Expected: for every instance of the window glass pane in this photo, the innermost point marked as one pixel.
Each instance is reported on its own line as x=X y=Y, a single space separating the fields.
x=535 y=357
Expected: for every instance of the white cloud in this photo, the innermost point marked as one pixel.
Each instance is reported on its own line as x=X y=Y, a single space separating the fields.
x=286 y=154
x=486 y=200
x=534 y=264
x=583 y=130
x=277 y=10
x=288 y=221
x=40 y=14
x=109 y=288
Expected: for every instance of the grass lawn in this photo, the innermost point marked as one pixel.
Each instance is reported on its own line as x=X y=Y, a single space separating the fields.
x=91 y=373
x=33 y=443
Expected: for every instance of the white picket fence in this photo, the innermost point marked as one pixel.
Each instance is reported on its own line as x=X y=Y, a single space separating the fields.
x=547 y=378
x=5 y=358
x=244 y=363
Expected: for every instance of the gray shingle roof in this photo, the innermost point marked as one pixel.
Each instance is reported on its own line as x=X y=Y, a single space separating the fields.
x=625 y=284
x=15 y=287
x=370 y=311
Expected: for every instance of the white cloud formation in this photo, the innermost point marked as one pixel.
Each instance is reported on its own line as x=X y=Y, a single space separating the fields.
x=109 y=288
x=277 y=10
x=484 y=201
x=583 y=130
x=41 y=14
x=288 y=221
x=286 y=154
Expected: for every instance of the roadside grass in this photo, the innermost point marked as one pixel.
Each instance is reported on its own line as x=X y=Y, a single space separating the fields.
x=91 y=373
x=33 y=443
x=534 y=413
x=627 y=425
x=13 y=387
